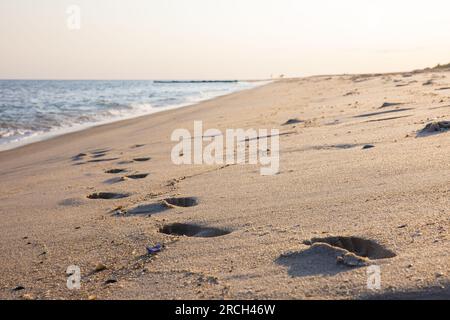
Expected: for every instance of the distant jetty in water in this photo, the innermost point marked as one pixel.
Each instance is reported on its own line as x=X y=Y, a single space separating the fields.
x=195 y=81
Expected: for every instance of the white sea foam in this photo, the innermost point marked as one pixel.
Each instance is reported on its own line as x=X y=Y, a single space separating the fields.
x=36 y=110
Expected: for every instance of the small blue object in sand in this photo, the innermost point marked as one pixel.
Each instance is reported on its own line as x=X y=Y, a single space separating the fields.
x=155 y=249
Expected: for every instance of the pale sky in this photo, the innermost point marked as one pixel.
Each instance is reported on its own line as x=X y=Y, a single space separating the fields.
x=220 y=39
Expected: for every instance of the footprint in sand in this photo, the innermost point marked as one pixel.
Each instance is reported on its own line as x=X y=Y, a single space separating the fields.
x=141 y=210
x=116 y=171
x=108 y=195
x=143 y=159
x=332 y=255
x=99 y=151
x=292 y=121
x=99 y=155
x=137 y=146
x=102 y=160
x=154 y=208
x=95 y=156
x=138 y=176
x=181 y=202
x=390 y=104
x=358 y=246
x=131 y=177
x=193 y=230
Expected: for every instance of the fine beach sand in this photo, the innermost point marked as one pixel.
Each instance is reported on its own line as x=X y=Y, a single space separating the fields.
x=395 y=195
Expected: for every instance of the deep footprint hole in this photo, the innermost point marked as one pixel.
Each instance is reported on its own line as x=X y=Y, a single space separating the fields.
x=182 y=202
x=138 y=176
x=116 y=171
x=108 y=195
x=193 y=230
x=359 y=246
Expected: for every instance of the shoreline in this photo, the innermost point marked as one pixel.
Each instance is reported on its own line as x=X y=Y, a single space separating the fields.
x=86 y=126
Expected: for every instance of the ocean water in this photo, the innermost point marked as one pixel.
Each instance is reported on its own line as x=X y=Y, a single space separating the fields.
x=33 y=110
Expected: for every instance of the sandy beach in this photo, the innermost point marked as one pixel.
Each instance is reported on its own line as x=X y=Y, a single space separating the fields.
x=359 y=185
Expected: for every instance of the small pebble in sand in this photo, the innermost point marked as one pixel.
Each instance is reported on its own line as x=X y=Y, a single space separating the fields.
x=155 y=249
x=92 y=297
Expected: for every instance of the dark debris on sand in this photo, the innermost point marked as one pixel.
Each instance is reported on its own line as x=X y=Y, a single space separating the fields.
x=435 y=127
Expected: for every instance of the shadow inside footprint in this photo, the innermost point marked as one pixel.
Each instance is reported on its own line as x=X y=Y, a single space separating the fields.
x=142 y=159
x=181 y=202
x=331 y=255
x=115 y=171
x=108 y=195
x=138 y=176
x=316 y=260
x=193 y=230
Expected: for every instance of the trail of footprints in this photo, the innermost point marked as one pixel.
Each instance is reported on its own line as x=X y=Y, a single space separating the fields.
x=174 y=229
x=348 y=251
x=189 y=230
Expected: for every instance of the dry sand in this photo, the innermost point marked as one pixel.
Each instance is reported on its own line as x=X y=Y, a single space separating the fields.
x=396 y=194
